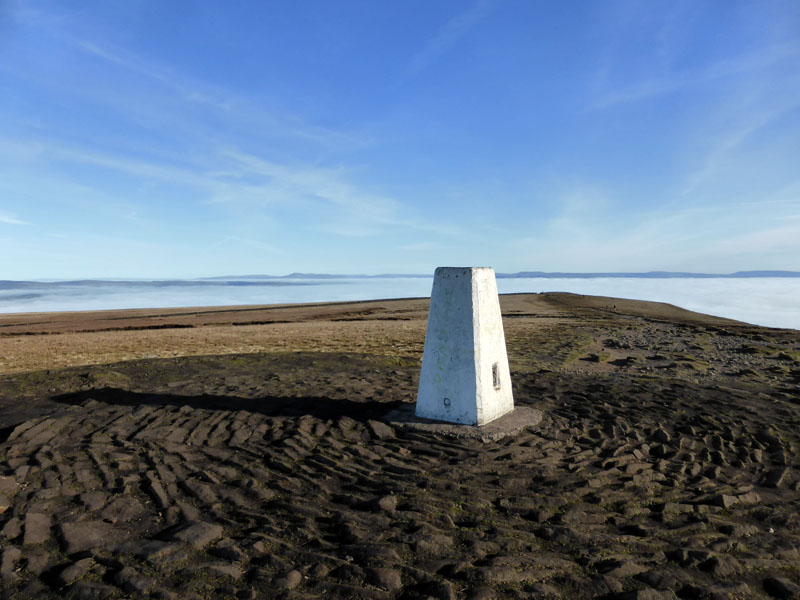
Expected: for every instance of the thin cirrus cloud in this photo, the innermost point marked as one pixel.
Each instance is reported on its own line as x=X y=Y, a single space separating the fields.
x=775 y=239
x=358 y=213
x=9 y=219
x=146 y=92
x=232 y=107
x=448 y=36
x=252 y=180
x=250 y=243
x=612 y=95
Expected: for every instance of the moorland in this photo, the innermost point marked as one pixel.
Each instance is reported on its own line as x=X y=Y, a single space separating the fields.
x=243 y=452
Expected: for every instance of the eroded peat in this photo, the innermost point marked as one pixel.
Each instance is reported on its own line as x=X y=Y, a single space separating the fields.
x=273 y=475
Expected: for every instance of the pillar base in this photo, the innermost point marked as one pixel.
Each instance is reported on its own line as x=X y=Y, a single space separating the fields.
x=510 y=424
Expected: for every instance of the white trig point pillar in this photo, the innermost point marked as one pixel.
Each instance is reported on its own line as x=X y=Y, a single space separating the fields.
x=465 y=377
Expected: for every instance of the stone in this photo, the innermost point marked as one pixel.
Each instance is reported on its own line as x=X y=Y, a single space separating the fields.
x=441 y=590
x=226 y=570
x=5 y=503
x=93 y=500
x=776 y=477
x=38 y=561
x=619 y=568
x=387 y=503
x=561 y=535
x=289 y=581
x=380 y=430
x=123 y=510
x=586 y=514
x=648 y=594
x=721 y=566
x=71 y=573
x=8 y=562
x=8 y=485
x=465 y=376
x=660 y=435
x=12 y=528
x=724 y=500
x=374 y=554
x=85 y=535
x=132 y=581
x=386 y=578
x=188 y=512
x=229 y=550
x=157 y=492
x=485 y=592
x=198 y=534
x=85 y=590
x=782 y=588
x=660 y=578
x=434 y=545
x=635 y=529
x=37 y=528
x=749 y=498
x=540 y=590
x=729 y=590
x=353 y=533
x=153 y=551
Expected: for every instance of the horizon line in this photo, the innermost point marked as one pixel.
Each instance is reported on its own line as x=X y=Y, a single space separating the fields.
x=518 y=275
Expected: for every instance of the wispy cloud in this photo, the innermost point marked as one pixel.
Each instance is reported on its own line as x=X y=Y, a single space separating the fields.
x=256 y=244
x=227 y=104
x=673 y=81
x=587 y=233
x=357 y=212
x=730 y=135
x=420 y=247
x=115 y=56
x=10 y=219
x=191 y=92
x=325 y=196
x=448 y=36
x=157 y=95
x=774 y=239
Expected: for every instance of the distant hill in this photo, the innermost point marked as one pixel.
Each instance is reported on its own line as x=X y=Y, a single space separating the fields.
x=647 y=275
x=296 y=279
x=169 y=283
x=318 y=276
x=532 y=275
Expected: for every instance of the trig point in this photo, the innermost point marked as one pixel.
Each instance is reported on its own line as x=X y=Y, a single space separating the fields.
x=465 y=377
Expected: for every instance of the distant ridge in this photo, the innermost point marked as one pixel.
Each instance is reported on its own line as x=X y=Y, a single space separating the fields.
x=533 y=275
x=296 y=278
x=648 y=275
x=318 y=276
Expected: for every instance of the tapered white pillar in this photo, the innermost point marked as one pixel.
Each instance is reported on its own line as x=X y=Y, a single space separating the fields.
x=465 y=377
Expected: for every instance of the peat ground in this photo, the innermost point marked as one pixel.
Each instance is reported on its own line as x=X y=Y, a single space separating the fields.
x=666 y=464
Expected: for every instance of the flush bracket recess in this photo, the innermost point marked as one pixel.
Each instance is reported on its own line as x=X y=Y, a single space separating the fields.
x=496 y=376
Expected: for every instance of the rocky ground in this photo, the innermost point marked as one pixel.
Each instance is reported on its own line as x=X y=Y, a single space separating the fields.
x=666 y=464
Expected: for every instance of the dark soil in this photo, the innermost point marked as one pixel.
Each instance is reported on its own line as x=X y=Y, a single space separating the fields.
x=666 y=466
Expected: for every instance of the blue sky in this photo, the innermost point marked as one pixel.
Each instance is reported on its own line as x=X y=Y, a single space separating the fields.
x=186 y=139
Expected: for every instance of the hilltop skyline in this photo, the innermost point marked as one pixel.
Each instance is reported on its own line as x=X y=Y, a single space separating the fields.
x=187 y=140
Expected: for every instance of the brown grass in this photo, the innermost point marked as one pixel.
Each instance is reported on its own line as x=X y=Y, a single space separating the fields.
x=34 y=341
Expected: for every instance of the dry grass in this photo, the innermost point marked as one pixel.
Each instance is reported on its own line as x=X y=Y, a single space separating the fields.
x=36 y=341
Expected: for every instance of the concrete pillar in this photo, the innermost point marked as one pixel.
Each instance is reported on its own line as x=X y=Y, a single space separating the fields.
x=465 y=377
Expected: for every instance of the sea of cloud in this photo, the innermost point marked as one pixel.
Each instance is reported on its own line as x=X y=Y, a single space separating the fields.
x=774 y=302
